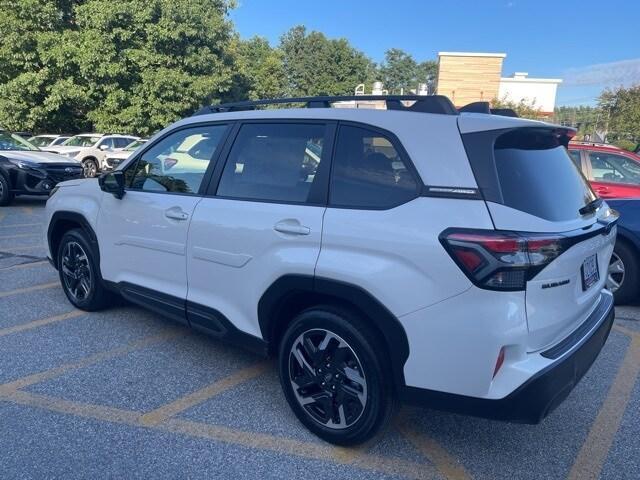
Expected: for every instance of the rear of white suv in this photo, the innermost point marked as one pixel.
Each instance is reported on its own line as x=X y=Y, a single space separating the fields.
x=446 y=260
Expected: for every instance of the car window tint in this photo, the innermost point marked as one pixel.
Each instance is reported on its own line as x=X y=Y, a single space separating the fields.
x=176 y=163
x=368 y=172
x=575 y=156
x=271 y=161
x=608 y=167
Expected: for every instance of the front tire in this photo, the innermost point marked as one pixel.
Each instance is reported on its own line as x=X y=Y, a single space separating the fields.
x=623 y=274
x=334 y=373
x=90 y=167
x=79 y=272
x=6 y=196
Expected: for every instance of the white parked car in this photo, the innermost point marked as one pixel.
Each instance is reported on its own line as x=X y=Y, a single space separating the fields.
x=48 y=140
x=91 y=149
x=115 y=158
x=454 y=260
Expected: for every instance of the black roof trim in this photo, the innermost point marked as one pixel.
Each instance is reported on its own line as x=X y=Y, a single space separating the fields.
x=423 y=103
x=485 y=107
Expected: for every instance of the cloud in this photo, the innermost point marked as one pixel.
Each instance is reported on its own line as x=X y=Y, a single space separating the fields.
x=614 y=74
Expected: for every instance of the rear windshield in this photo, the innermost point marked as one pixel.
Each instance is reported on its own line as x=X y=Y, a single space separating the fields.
x=537 y=176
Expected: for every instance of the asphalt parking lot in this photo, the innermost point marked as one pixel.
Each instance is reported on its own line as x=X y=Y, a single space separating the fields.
x=126 y=394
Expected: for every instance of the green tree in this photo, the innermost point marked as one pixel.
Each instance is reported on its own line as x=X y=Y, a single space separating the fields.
x=316 y=65
x=621 y=109
x=131 y=65
x=524 y=108
x=400 y=72
x=259 y=71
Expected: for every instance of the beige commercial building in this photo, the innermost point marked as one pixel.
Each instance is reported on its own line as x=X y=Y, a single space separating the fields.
x=467 y=77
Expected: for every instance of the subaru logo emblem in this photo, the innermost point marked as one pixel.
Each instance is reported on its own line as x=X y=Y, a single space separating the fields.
x=68 y=170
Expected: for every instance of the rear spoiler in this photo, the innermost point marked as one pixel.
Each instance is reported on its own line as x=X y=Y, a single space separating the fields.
x=485 y=107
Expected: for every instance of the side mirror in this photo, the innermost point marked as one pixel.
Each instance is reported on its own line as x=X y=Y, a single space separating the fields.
x=113 y=183
x=104 y=147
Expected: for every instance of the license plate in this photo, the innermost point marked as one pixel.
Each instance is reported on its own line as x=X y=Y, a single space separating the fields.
x=590 y=274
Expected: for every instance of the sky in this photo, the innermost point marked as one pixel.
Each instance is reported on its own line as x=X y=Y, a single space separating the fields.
x=590 y=44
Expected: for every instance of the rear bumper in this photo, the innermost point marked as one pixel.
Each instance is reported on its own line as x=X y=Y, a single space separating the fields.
x=543 y=392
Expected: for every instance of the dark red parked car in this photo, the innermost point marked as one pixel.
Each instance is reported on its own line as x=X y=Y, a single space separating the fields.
x=612 y=171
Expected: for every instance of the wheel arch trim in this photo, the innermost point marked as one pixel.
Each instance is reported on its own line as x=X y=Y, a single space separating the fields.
x=275 y=300
x=73 y=217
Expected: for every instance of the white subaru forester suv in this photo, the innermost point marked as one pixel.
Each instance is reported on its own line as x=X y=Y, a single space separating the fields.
x=446 y=259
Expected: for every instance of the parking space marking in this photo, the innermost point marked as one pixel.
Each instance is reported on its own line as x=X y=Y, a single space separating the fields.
x=34 y=288
x=594 y=451
x=20 y=249
x=2 y=215
x=34 y=378
x=40 y=323
x=19 y=235
x=626 y=331
x=444 y=462
x=316 y=451
x=169 y=410
x=18 y=225
x=25 y=265
x=27 y=210
x=280 y=445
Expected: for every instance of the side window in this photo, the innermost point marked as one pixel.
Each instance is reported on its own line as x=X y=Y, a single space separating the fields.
x=107 y=141
x=368 y=172
x=270 y=161
x=607 y=167
x=121 y=142
x=177 y=162
x=575 y=156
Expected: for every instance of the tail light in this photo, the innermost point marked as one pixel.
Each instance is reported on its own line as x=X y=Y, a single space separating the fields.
x=497 y=260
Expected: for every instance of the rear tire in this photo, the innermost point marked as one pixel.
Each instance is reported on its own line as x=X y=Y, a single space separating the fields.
x=6 y=196
x=80 y=273
x=334 y=373
x=624 y=272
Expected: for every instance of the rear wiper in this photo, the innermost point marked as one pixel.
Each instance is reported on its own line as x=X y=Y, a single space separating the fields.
x=591 y=207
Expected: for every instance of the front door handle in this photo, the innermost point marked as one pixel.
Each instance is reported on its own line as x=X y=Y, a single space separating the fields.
x=291 y=228
x=176 y=213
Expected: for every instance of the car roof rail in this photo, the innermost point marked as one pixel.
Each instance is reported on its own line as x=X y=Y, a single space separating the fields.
x=422 y=103
x=485 y=107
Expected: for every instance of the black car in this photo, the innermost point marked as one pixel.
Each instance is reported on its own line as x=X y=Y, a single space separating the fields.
x=623 y=276
x=26 y=170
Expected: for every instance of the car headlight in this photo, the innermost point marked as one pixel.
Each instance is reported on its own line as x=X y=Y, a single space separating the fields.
x=23 y=165
x=72 y=154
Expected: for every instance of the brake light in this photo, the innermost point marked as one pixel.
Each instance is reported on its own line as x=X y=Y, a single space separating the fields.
x=498 y=260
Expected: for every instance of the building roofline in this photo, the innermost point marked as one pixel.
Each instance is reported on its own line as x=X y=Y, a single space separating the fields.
x=471 y=54
x=530 y=80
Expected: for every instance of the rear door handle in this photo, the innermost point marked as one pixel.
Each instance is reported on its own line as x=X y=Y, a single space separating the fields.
x=176 y=213
x=291 y=228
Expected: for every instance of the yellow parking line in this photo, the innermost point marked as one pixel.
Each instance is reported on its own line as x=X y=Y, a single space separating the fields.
x=90 y=360
x=34 y=288
x=25 y=265
x=316 y=451
x=282 y=445
x=444 y=462
x=166 y=411
x=2 y=215
x=20 y=249
x=590 y=460
x=40 y=323
x=19 y=235
x=627 y=331
x=17 y=225
x=27 y=210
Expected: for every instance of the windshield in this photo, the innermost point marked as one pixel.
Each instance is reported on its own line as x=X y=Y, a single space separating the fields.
x=14 y=142
x=81 y=141
x=40 y=141
x=132 y=146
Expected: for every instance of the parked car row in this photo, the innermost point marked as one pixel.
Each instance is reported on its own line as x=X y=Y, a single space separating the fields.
x=36 y=165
